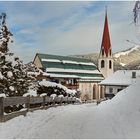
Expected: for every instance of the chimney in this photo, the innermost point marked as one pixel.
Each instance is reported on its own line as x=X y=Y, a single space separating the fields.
x=133 y=74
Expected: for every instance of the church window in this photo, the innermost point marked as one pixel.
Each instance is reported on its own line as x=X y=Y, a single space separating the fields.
x=110 y=64
x=102 y=64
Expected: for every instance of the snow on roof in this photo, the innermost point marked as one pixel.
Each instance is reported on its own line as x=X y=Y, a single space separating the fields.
x=71 y=62
x=121 y=77
x=72 y=70
x=63 y=76
x=50 y=60
x=90 y=64
x=100 y=78
x=68 y=61
x=90 y=80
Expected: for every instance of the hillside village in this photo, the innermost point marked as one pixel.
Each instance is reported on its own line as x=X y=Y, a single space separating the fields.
x=98 y=87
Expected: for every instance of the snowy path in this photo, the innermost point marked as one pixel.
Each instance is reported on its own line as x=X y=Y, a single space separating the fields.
x=72 y=121
x=117 y=118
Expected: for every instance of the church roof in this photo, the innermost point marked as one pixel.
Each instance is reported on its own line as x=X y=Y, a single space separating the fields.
x=106 y=44
x=64 y=66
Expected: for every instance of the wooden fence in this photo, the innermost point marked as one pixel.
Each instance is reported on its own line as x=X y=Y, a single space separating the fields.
x=44 y=102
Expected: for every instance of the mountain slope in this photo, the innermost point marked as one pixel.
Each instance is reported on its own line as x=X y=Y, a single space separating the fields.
x=127 y=59
x=128 y=56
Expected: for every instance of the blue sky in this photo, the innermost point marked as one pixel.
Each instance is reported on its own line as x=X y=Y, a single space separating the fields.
x=67 y=28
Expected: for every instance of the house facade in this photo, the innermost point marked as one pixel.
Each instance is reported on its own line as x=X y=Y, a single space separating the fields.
x=74 y=73
x=119 y=81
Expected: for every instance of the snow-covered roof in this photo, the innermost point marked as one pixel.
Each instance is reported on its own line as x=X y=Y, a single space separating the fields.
x=71 y=70
x=68 y=67
x=50 y=60
x=121 y=77
x=63 y=76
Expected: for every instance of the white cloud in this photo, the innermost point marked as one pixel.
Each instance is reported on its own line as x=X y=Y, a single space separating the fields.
x=72 y=29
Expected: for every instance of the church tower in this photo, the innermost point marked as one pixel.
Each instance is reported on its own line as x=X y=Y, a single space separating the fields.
x=105 y=61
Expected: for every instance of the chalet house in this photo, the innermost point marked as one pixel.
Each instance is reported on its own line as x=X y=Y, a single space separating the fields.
x=74 y=73
x=119 y=81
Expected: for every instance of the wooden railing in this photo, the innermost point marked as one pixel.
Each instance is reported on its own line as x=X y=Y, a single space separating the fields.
x=44 y=102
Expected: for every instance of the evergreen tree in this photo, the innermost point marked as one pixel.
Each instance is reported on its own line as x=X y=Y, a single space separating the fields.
x=14 y=78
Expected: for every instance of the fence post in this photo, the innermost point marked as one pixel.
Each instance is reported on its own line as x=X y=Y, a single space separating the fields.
x=44 y=101
x=54 y=101
x=67 y=100
x=1 y=109
x=61 y=101
x=71 y=100
x=28 y=103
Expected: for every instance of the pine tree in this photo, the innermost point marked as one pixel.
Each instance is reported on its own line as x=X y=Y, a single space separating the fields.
x=14 y=78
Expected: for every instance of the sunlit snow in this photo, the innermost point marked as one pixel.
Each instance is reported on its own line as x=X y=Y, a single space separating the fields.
x=116 y=118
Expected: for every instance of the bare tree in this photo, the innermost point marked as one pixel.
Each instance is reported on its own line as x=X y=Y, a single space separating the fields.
x=136 y=11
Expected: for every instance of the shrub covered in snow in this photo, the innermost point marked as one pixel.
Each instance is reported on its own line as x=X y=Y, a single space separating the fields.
x=53 y=88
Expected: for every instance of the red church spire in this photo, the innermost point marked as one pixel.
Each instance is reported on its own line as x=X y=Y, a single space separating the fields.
x=106 y=45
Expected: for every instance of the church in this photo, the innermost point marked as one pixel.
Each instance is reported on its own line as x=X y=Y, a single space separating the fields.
x=77 y=73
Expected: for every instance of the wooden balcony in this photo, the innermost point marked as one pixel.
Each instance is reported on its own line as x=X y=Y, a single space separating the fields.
x=70 y=86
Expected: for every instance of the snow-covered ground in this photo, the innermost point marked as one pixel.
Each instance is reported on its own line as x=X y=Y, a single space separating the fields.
x=116 y=118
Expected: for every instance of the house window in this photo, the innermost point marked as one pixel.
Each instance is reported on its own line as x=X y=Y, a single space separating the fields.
x=133 y=74
x=102 y=64
x=110 y=64
x=75 y=81
x=110 y=90
x=118 y=90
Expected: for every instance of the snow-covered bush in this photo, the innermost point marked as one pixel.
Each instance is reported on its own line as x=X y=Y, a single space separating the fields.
x=53 y=88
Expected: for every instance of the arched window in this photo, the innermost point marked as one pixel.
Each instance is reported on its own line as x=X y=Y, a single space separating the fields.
x=94 y=91
x=102 y=64
x=110 y=64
